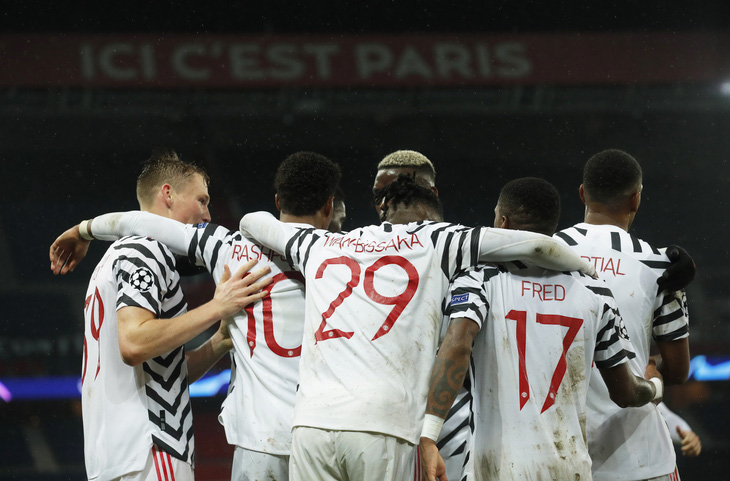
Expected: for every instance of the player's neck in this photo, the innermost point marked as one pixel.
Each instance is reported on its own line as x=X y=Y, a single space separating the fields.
x=606 y=217
x=159 y=209
x=313 y=220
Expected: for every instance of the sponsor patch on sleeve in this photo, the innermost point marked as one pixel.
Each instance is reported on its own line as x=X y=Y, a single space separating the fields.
x=459 y=298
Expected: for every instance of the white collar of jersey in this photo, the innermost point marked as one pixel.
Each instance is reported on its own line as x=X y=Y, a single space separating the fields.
x=606 y=227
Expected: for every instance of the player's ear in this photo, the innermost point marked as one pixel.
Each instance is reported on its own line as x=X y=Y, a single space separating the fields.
x=328 y=207
x=505 y=222
x=635 y=201
x=276 y=201
x=166 y=192
x=434 y=190
x=582 y=194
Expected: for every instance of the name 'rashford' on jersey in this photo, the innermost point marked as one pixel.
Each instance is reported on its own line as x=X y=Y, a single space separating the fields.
x=539 y=333
x=632 y=443
x=126 y=408
x=372 y=322
x=267 y=339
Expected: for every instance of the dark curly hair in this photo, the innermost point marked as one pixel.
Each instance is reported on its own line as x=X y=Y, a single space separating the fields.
x=531 y=203
x=611 y=174
x=405 y=191
x=304 y=181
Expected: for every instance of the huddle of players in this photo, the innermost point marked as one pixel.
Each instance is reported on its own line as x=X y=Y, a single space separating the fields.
x=340 y=429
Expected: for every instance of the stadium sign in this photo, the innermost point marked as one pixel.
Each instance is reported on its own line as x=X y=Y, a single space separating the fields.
x=215 y=61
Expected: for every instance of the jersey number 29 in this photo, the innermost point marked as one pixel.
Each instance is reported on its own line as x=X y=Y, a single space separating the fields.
x=398 y=302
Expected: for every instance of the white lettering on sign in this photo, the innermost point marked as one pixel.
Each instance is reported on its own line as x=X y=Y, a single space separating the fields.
x=118 y=61
x=235 y=63
x=180 y=61
x=371 y=58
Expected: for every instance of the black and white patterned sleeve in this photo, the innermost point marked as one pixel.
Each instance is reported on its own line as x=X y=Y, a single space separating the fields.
x=144 y=271
x=613 y=346
x=467 y=297
x=293 y=242
x=671 y=318
x=458 y=246
x=204 y=243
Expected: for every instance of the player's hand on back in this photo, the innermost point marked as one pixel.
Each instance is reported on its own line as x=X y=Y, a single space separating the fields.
x=225 y=333
x=681 y=273
x=691 y=445
x=67 y=251
x=234 y=292
x=432 y=464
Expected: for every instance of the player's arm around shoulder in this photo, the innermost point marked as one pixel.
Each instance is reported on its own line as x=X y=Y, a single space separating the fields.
x=143 y=336
x=503 y=245
x=71 y=246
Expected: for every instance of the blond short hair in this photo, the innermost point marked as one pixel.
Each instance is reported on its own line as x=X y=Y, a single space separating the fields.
x=408 y=159
x=165 y=167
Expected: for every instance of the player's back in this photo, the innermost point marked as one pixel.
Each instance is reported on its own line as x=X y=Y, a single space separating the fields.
x=267 y=339
x=631 y=443
x=532 y=360
x=373 y=317
x=127 y=408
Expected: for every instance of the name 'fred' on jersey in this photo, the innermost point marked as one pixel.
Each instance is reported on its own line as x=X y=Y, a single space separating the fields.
x=540 y=332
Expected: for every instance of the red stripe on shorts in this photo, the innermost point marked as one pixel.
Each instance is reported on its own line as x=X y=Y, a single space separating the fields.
x=169 y=462
x=164 y=465
x=157 y=464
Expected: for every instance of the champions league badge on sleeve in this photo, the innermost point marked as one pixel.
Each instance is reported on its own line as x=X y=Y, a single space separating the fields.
x=142 y=279
x=622 y=331
x=459 y=298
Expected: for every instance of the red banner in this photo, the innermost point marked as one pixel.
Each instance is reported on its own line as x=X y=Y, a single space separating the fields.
x=216 y=61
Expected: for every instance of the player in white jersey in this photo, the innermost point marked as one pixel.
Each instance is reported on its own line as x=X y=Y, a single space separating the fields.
x=632 y=444
x=371 y=326
x=456 y=431
x=535 y=334
x=267 y=336
x=136 y=408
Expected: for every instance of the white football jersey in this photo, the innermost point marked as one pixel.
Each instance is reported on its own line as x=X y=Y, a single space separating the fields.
x=633 y=443
x=126 y=409
x=267 y=335
x=373 y=315
x=267 y=341
x=540 y=332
